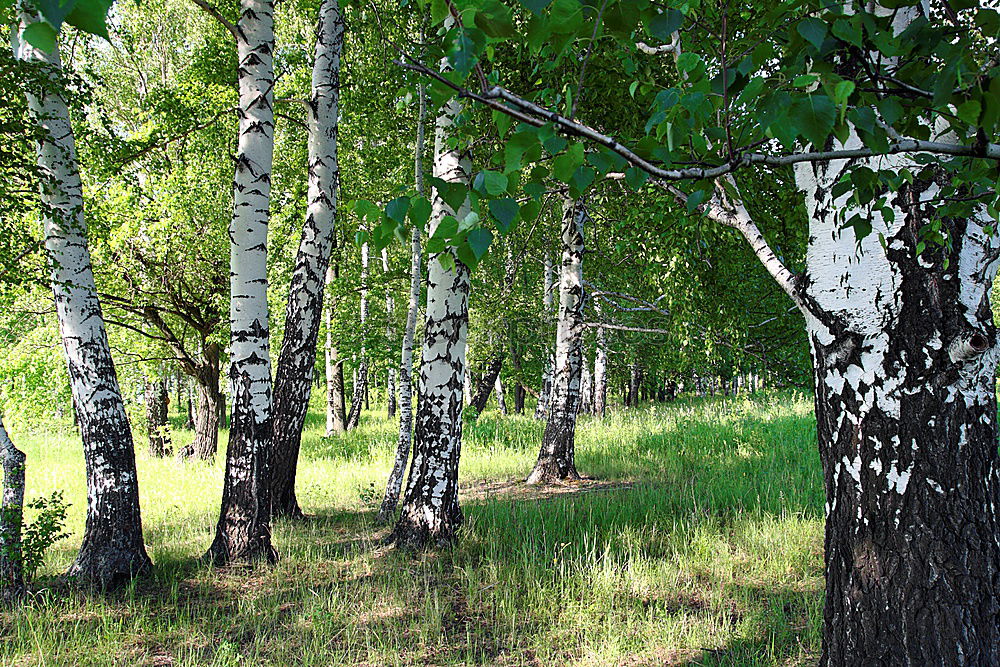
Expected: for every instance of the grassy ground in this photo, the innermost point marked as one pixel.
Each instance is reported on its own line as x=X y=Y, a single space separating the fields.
x=698 y=542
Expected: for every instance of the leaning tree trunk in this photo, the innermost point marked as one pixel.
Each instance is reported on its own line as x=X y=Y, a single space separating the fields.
x=395 y=482
x=430 y=512
x=556 y=458
x=112 y=551
x=293 y=380
x=360 y=397
x=157 y=428
x=486 y=384
x=11 y=519
x=210 y=405
x=244 y=529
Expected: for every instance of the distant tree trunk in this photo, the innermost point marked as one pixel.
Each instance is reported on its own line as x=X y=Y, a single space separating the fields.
x=360 y=398
x=430 y=512
x=336 y=413
x=501 y=397
x=189 y=415
x=297 y=360
x=586 y=388
x=390 y=373
x=395 y=482
x=211 y=405
x=519 y=395
x=112 y=551
x=244 y=529
x=634 y=383
x=467 y=388
x=486 y=384
x=157 y=427
x=11 y=519
x=600 y=368
x=556 y=458
x=545 y=393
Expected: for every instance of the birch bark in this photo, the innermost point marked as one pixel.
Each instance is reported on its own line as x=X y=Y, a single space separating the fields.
x=244 y=529
x=430 y=512
x=293 y=380
x=112 y=551
x=11 y=519
x=556 y=458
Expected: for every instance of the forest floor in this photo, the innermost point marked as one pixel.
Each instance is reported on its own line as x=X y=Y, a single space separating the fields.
x=696 y=540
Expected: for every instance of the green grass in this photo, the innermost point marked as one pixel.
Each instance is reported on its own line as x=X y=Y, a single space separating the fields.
x=698 y=542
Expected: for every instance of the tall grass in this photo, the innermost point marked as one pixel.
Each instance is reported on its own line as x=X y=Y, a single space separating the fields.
x=698 y=541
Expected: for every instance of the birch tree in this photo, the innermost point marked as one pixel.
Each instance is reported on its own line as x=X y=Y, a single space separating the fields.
x=395 y=481
x=293 y=380
x=112 y=551
x=11 y=519
x=244 y=529
x=556 y=458
x=892 y=115
x=430 y=512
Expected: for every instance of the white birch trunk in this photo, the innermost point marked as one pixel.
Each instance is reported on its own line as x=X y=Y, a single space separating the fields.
x=112 y=550
x=390 y=374
x=556 y=458
x=361 y=371
x=544 y=395
x=11 y=520
x=395 y=482
x=244 y=529
x=501 y=396
x=600 y=367
x=293 y=380
x=430 y=512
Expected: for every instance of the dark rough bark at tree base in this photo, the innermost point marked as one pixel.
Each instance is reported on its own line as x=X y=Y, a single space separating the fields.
x=243 y=536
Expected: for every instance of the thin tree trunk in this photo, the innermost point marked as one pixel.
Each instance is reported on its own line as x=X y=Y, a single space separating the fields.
x=11 y=519
x=586 y=388
x=390 y=374
x=360 y=398
x=157 y=427
x=395 y=481
x=486 y=384
x=600 y=367
x=189 y=416
x=430 y=512
x=244 y=529
x=557 y=457
x=544 y=395
x=501 y=396
x=293 y=380
x=336 y=414
x=112 y=551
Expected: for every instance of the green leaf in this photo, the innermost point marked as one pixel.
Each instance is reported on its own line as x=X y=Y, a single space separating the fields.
x=635 y=177
x=814 y=116
x=493 y=182
x=41 y=35
x=564 y=166
x=536 y=6
x=56 y=11
x=503 y=122
x=687 y=61
x=582 y=178
x=664 y=25
x=396 y=209
x=504 y=211
x=480 y=239
x=813 y=30
x=969 y=111
x=420 y=211
x=90 y=16
x=446 y=229
x=695 y=200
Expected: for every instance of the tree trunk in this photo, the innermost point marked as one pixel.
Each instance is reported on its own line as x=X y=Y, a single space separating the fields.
x=486 y=385
x=904 y=352
x=336 y=415
x=586 y=388
x=293 y=380
x=556 y=458
x=390 y=374
x=600 y=368
x=11 y=519
x=501 y=397
x=359 y=400
x=112 y=551
x=545 y=393
x=430 y=512
x=519 y=395
x=244 y=529
x=210 y=405
x=157 y=427
x=189 y=416
x=395 y=481
x=635 y=379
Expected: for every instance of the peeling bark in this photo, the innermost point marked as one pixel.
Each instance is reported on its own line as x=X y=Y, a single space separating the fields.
x=112 y=551
x=293 y=379
x=11 y=519
x=556 y=459
x=430 y=512
x=244 y=529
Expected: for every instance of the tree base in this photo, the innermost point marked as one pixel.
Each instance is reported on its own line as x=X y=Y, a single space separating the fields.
x=106 y=567
x=414 y=533
x=221 y=554
x=550 y=471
